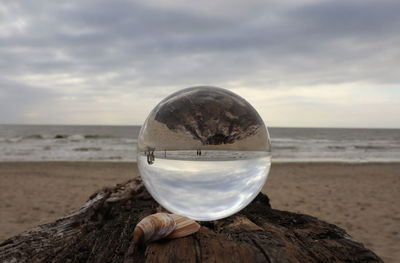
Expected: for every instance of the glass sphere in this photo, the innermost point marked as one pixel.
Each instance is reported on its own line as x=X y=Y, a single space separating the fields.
x=204 y=152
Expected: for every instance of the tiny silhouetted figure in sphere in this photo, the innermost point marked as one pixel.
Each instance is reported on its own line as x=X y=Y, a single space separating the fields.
x=150 y=155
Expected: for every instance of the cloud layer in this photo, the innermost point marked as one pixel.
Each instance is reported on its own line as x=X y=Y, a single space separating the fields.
x=111 y=62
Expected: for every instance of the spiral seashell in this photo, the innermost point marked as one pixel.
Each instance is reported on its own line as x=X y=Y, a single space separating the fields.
x=163 y=225
x=153 y=227
x=184 y=226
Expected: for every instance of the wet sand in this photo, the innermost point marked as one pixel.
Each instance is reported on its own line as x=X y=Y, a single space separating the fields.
x=361 y=198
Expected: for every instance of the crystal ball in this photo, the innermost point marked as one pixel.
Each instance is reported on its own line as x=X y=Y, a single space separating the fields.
x=204 y=152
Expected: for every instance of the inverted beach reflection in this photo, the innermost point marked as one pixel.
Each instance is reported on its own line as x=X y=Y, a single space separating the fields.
x=205 y=188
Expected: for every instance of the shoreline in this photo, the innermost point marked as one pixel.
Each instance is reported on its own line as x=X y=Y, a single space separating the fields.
x=362 y=198
x=272 y=162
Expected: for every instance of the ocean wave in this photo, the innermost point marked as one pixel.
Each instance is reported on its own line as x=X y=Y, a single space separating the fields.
x=336 y=147
x=284 y=147
x=370 y=147
x=28 y=137
x=97 y=136
x=114 y=158
x=14 y=139
x=60 y=136
x=82 y=136
x=127 y=140
x=285 y=140
x=111 y=158
x=87 y=149
x=76 y=137
x=33 y=136
x=300 y=140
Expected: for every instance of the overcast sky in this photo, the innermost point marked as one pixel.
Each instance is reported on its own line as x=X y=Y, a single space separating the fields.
x=333 y=63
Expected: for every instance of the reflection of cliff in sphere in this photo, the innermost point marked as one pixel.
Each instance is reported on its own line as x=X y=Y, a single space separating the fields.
x=204 y=118
x=212 y=116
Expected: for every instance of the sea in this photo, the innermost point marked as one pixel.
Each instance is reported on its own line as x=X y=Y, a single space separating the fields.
x=118 y=144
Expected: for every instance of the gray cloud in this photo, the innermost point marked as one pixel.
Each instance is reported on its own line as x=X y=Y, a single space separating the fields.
x=18 y=101
x=151 y=49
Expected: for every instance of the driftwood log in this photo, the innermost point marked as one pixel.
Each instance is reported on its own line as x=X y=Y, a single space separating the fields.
x=102 y=231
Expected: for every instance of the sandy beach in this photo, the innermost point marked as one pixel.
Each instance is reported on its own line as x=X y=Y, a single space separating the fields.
x=361 y=198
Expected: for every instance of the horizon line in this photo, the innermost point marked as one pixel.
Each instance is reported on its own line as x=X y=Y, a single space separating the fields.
x=127 y=125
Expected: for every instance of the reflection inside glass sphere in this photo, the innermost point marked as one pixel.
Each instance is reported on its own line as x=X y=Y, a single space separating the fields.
x=204 y=152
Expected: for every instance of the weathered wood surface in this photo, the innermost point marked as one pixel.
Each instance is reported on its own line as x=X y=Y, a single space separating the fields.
x=102 y=231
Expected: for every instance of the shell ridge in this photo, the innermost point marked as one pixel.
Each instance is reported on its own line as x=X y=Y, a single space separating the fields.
x=163 y=225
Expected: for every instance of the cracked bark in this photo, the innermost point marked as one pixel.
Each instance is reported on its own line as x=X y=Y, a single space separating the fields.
x=102 y=231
